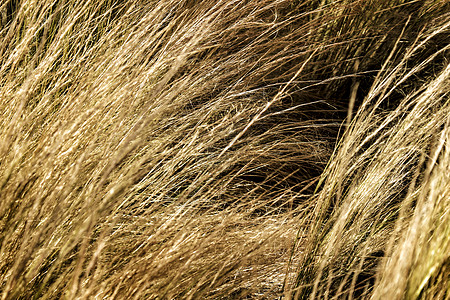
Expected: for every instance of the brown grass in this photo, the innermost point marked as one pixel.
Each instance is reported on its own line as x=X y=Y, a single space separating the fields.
x=224 y=149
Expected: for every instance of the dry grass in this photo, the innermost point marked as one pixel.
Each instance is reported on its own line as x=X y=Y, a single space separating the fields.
x=224 y=149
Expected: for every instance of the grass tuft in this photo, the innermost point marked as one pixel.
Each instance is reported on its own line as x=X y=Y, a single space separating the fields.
x=224 y=149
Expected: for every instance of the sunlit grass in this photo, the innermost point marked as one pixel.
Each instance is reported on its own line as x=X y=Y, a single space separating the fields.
x=224 y=149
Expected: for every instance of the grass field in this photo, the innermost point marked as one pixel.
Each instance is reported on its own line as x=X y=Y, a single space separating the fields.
x=181 y=149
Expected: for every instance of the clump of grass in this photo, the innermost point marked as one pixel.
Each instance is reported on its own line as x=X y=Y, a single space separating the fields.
x=224 y=149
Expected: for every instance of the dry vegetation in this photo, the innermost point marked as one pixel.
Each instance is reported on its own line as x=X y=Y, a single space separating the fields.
x=224 y=149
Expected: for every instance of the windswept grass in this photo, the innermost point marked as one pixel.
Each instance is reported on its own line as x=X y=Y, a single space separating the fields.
x=224 y=149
